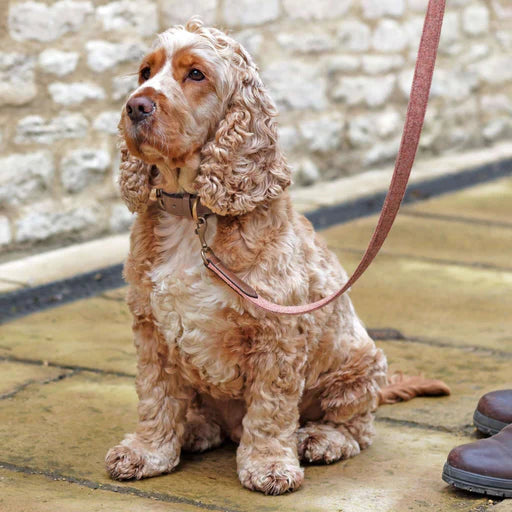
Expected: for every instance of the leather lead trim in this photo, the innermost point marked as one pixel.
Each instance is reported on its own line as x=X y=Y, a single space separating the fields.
x=241 y=285
x=410 y=137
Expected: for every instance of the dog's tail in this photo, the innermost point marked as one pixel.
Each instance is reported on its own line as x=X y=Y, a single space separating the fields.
x=400 y=388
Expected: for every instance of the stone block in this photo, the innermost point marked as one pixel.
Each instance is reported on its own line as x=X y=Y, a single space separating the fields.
x=374 y=9
x=75 y=93
x=17 y=84
x=103 y=55
x=122 y=86
x=83 y=167
x=295 y=85
x=497 y=128
x=121 y=218
x=242 y=13
x=453 y=84
x=475 y=19
x=382 y=152
x=354 y=90
x=289 y=138
x=366 y=129
x=129 y=15
x=57 y=62
x=5 y=231
x=36 y=129
x=77 y=334
x=354 y=36
x=251 y=39
x=107 y=122
x=25 y=176
x=40 y=22
x=450 y=33
x=322 y=134
x=177 y=12
x=17 y=376
x=33 y=492
x=320 y=10
x=377 y=64
x=304 y=172
x=495 y=70
x=496 y=103
x=38 y=224
x=81 y=417
x=389 y=36
x=305 y=42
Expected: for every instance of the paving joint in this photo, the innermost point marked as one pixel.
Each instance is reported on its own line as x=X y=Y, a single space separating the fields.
x=120 y=489
x=378 y=334
x=385 y=334
x=39 y=362
x=466 y=429
x=25 y=385
x=446 y=344
x=455 y=218
x=427 y=259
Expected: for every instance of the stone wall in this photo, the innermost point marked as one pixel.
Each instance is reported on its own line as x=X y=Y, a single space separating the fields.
x=339 y=69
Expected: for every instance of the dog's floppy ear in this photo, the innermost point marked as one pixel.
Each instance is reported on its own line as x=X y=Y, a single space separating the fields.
x=243 y=166
x=134 y=181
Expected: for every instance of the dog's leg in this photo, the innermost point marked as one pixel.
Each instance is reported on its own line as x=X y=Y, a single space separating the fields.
x=347 y=402
x=267 y=456
x=202 y=432
x=155 y=446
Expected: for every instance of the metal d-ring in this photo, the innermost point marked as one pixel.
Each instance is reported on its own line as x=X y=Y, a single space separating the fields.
x=201 y=226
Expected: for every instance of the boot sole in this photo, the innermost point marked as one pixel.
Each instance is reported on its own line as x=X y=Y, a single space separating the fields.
x=473 y=482
x=487 y=425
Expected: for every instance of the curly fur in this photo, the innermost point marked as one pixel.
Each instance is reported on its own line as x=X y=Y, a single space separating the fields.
x=243 y=165
x=210 y=365
x=134 y=181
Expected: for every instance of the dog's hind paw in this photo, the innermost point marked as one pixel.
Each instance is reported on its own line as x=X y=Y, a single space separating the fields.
x=201 y=435
x=325 y=444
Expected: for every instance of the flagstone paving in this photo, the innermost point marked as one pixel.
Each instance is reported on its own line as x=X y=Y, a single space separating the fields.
x=437 y=300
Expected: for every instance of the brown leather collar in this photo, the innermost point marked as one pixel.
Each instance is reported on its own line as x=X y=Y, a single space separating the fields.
x=182 y=205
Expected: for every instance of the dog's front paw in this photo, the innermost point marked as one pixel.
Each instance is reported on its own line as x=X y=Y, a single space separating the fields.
x=131 y=460
x=325 y=444
x=271 y=476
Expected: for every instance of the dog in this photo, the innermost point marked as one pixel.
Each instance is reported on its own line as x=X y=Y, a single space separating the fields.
x=211 y=365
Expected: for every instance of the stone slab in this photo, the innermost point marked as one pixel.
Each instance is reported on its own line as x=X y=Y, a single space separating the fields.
x=17 y=375
x=21 y=492
x=419 y=237
x=468 y=374
x=450 y=304
x=489 y=201
x=68 y=426
x=93 y=333
x=377 y=180
x=63 y=263
x=504 y=506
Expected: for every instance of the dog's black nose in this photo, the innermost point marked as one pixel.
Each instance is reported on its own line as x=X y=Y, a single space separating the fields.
x=139 y=108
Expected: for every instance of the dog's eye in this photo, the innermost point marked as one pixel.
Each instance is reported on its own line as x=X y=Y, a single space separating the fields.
x=145 y=73
x=196 y=75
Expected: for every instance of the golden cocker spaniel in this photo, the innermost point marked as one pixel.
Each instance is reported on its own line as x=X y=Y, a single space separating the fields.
x=211 y=365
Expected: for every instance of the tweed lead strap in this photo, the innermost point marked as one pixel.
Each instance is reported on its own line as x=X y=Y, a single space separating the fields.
x=410 y=138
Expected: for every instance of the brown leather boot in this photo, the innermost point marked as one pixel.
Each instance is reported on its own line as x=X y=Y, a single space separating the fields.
x=484 y=466
x=494 y=412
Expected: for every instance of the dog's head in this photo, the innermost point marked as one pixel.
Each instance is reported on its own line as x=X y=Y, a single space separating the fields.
x=201 y=121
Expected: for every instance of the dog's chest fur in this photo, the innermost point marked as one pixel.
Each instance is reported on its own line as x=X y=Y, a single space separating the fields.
x=188 y=305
